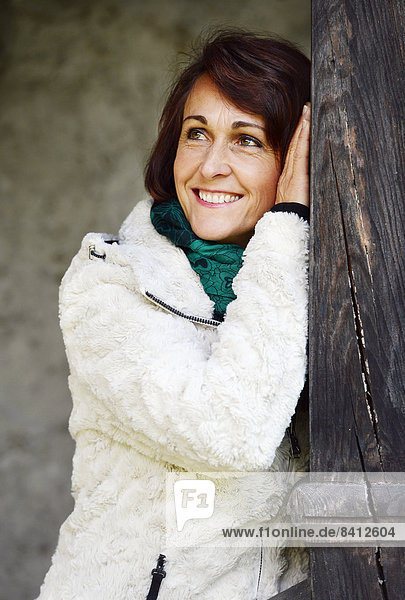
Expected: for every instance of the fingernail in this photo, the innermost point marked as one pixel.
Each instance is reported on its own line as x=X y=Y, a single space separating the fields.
x=304 y=109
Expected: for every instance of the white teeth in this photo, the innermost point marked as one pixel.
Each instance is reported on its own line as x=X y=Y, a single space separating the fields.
x=217 y=198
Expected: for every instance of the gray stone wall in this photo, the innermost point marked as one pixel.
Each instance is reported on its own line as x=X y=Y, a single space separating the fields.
x=82 y=85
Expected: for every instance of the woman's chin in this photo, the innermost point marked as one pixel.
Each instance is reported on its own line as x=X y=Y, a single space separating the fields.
x=211 y=234
x=221 y=235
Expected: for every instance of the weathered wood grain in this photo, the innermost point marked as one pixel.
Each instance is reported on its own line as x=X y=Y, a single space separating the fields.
x=357 y=270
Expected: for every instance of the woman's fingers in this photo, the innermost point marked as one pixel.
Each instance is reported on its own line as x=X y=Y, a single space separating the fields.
x=293 y=185
x=294 y=139
x=297 y=133
x=300 y=155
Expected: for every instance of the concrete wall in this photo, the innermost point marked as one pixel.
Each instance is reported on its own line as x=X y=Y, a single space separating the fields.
x=82 y=85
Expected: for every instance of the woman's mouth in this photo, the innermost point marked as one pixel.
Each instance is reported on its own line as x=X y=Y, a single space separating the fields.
x=215 y=198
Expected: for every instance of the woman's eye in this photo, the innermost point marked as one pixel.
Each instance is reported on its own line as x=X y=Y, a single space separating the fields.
x=248 y=140
x=195 y=134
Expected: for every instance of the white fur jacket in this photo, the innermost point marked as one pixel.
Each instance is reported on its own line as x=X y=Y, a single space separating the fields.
x=159 y=386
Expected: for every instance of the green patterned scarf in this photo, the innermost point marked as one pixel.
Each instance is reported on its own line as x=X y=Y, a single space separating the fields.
x=216 y=264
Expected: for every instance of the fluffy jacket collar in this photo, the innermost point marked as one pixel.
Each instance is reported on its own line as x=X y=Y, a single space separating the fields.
x=149 y=253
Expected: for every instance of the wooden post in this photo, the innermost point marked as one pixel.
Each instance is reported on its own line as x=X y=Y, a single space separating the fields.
x=357 y=271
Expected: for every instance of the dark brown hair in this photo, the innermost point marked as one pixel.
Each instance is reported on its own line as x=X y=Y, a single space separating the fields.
x=258 y=74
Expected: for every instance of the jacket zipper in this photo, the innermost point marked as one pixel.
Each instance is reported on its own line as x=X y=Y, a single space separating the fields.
x=158 y=574
x=174 y=311
x=260 y=569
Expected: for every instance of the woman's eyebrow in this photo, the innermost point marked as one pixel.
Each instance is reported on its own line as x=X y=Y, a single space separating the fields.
x=238 y=124
x=197 y=118
x=235 y=124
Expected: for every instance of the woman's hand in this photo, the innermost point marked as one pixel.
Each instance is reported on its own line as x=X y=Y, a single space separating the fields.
x=293 y=185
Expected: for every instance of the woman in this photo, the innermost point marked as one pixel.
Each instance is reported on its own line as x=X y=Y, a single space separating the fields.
x=186 y=335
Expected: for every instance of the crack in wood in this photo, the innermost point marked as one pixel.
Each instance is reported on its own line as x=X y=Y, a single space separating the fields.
x=359 y=327
x=355 y=306
x=381 y=576
x=367 y=385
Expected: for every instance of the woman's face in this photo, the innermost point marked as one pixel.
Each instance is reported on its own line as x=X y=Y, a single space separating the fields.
x=225 y=172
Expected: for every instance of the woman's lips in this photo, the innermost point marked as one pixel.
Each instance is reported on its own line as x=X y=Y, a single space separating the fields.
x=214 y=199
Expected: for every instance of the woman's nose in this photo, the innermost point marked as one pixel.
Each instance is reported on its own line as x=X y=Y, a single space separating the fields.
x=215 y=162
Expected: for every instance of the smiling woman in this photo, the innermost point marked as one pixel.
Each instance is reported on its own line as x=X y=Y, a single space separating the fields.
x=186 y=337
x=225 y=171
